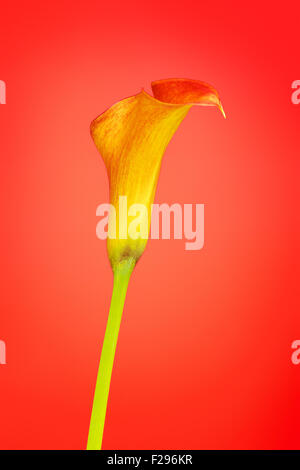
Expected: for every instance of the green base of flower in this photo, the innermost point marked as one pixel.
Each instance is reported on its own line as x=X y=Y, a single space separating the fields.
x=122 y=275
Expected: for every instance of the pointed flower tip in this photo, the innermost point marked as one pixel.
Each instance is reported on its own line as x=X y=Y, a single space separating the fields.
x=222 y=109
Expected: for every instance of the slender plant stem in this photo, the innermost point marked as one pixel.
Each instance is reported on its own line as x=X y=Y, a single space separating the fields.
x=121 y=278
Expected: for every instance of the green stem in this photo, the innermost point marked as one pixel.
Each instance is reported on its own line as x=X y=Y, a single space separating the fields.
x=121 y=278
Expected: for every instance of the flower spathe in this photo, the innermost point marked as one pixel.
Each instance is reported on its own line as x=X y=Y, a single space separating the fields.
x=131 y=137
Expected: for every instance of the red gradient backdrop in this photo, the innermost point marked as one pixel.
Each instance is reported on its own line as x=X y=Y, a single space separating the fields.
x=204 y=353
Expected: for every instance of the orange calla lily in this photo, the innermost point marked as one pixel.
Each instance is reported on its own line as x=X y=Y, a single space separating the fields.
x=131 y=137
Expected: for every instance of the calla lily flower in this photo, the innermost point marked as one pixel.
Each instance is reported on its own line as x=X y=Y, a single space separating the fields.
x=131 y=137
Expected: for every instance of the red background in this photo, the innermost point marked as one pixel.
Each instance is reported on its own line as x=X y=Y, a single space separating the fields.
x=204 y=353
